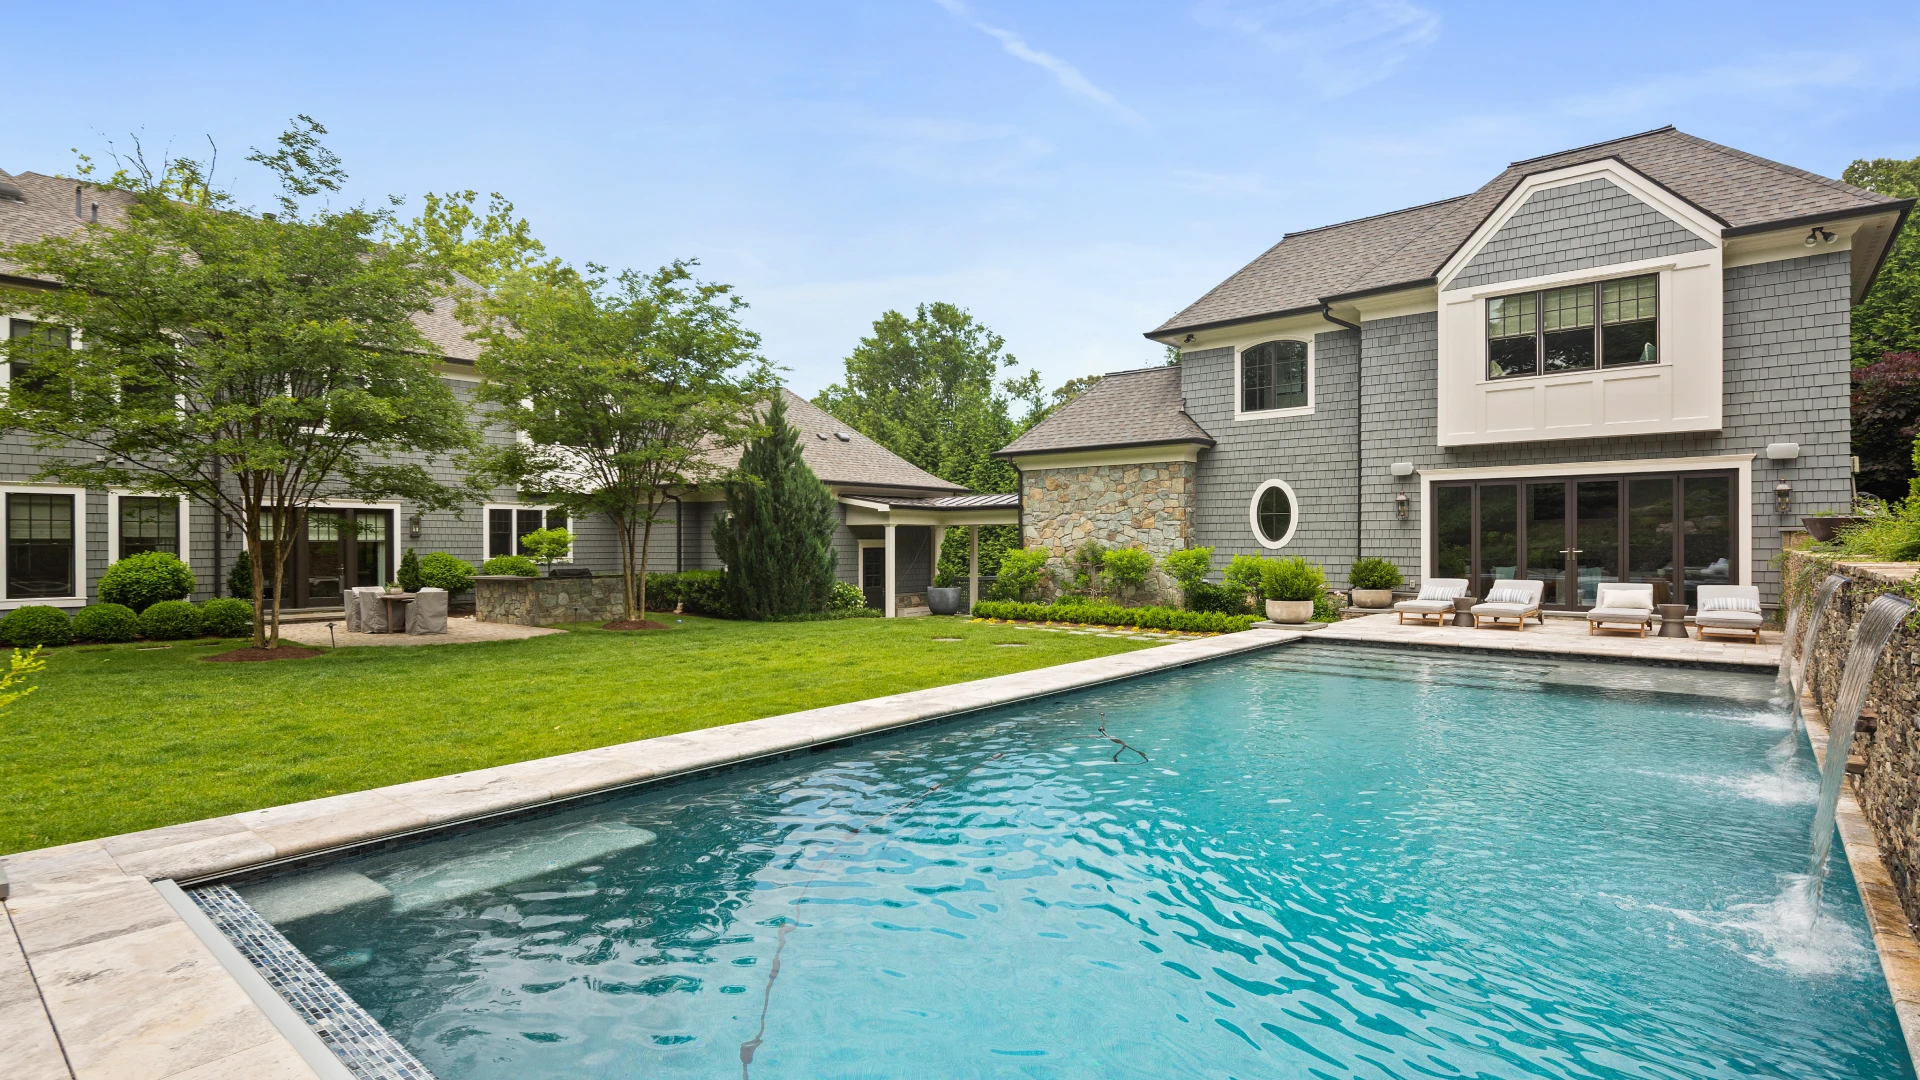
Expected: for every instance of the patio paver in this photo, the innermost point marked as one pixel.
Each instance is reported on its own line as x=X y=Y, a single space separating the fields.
x=1561 y=637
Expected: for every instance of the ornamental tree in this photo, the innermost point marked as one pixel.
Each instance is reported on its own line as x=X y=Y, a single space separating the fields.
x=620 y=391
x=257 y=363
x=777 y=537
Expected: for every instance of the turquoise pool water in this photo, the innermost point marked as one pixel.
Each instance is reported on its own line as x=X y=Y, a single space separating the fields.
x=1334 y=862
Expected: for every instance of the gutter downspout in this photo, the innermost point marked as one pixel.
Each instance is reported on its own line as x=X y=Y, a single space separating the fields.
x=1359 y=451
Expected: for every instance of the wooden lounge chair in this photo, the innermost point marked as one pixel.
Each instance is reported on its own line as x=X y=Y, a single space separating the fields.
x=1510 y=600
x=1624 y=605
x=1729 y=610
x=1434 y=602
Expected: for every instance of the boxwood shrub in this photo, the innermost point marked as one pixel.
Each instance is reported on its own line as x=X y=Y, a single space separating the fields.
x=439 y=570
x=1146 y=618
x=36 y=624
x=702 y=592
x=226 y=617
x=105 y=622
x=140 y=581
x=516 y=565
x=170 y=620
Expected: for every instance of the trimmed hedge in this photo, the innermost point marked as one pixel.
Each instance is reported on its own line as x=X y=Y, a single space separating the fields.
x=170 y=620
x=140 y=581
x=1146 y=618
x=226 y=617
x=703 y=592
x=516 y=565
x=36 y=624
x=105 y=622
x=440 y=570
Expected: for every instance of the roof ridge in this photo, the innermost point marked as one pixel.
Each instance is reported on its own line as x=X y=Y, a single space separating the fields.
x=1593 y=146
x=1372 y=217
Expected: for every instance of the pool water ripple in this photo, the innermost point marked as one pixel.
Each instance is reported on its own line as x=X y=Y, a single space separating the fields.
x=1334 y=862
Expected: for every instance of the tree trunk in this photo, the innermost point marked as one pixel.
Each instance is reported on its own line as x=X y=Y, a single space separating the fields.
x=625 y=527
x=256 y=553
x=646 y=541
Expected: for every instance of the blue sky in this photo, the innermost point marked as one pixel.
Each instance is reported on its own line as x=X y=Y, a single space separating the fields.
x=1071 y=173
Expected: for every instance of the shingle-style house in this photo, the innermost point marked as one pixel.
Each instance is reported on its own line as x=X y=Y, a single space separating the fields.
x=61 y=539
x=1627 y=361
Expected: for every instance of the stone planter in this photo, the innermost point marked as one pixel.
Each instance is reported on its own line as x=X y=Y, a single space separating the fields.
x=1290 y=611
x=1373 y=598
x=1826 y=528
x=944 y=601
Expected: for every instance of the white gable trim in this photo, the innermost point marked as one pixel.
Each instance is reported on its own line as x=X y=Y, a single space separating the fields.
x=1612 y=169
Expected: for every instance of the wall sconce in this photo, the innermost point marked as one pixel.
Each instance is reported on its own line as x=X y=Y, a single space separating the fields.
x=413 y=526
x=1401 y=468
x=1782 y=497
x=1783 y=451
x=1400 y=501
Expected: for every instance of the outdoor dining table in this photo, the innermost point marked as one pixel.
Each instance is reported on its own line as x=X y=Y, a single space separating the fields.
x=396 y=611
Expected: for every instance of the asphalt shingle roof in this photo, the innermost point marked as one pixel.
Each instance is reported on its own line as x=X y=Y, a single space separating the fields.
x=852 y=461
x=1126 y=408
x=1408 y=247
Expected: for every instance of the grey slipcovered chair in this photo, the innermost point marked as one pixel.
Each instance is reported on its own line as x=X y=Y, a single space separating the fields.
x=1727 y=609
x=365 y=614
x=428 y=612
x=1434 y=602
x=1627 y=605
x=1511 y=599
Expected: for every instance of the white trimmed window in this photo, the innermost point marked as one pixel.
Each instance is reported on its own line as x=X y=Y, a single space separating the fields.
x=507 y=524
x=1273 y=378
x=138 y=522
x=1274 y=514
x=44 y=556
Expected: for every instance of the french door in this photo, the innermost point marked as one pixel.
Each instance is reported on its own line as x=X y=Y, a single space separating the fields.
x=1674 y=530
x=338 y=550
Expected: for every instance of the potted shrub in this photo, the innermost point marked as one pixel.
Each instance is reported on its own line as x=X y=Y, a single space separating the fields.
x=1290 y=587
x=1373 y=581
x=944 y=597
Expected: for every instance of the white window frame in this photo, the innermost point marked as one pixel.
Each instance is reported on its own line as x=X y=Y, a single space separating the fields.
x=1239 y=390
x=1253 y=514
x=114 y=495
x=80 y=551
x=486 y=512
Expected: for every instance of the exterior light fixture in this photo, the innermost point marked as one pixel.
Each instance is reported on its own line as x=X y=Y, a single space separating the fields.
x=1782 y=497
x=1400 y=502
x=413 y=525
x=1188 y=340
x=1818 y=235
x=1401 y=468
x=1783 y=451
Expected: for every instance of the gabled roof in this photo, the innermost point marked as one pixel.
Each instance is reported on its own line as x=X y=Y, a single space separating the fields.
x=47 y=209
x=1141 y=407
x=1406 y=248
x=843 y=457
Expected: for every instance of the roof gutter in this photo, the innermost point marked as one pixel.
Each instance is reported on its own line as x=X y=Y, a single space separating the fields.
x=1011 y=453
x=1326 y=312
x=1901 y=205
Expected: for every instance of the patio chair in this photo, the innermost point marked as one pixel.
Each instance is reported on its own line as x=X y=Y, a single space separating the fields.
x=1510 y=599
x=1434 y=602
x=1625 y=605
x=365 y=613
x=1729 y=610
x=428 y=612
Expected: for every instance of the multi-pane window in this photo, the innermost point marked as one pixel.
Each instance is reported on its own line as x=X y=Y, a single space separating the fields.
x=1556 y=330
x=31 y=340
x=1273 y=375
x=40 y=548
x=148 y=524
x=506 y=525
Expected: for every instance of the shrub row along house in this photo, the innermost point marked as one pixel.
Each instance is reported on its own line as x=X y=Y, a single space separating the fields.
x=1624 y=362
x=60 y=539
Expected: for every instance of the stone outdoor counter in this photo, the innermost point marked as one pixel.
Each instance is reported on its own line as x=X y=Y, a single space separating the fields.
x=543 y=601
x=1889 y=789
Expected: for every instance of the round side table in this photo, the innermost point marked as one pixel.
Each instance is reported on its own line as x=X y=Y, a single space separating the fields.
x=1463 y=610
x=1673 y=620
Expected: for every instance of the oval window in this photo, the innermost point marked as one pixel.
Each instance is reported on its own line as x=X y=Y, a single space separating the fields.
x=1273 y=514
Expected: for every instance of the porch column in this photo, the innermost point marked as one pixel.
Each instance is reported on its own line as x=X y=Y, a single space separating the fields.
x=892 y=600
x=939 y=540
x=973 y=567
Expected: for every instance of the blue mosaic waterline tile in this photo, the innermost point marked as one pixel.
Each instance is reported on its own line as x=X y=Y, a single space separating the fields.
x=356 y=1038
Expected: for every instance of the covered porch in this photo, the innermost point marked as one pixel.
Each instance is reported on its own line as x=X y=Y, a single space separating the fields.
x=879 y=559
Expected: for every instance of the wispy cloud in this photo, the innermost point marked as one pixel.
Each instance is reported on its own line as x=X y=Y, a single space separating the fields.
x=1337 y=46
x=1775 y=77
x=1068 y=76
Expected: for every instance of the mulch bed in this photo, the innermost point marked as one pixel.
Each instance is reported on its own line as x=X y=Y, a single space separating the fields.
x=633 y=624
x=241 y=656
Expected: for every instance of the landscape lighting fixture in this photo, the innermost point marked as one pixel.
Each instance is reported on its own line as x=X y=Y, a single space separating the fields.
x=1818 y=235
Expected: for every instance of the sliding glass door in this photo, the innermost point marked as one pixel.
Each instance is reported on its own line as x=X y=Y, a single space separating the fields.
x=1673 y=530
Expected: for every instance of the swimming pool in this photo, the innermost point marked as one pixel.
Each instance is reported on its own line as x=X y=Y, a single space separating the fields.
x=1318 y=861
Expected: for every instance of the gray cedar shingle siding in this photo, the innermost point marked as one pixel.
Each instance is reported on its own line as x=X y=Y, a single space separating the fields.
x=1576 y=227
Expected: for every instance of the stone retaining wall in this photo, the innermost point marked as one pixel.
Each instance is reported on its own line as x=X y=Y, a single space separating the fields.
x=1144 y=506
x=1889 y=790
x=543 y=601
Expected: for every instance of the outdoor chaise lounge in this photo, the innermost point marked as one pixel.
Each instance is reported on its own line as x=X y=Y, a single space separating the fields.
x=1624 y=605
x=1510 y=600
x=1434 y=602
x=1732 y=610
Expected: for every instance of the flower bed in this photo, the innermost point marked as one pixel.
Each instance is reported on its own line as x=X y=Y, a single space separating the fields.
x=1145 y=618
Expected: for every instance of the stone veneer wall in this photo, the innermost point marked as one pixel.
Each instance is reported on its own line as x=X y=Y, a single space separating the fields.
x=1146 y=506
x=542 y=601
x=1889 y=790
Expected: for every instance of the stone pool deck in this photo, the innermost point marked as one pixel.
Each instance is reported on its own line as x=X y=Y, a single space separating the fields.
x=1561 y=637
x=102 y=979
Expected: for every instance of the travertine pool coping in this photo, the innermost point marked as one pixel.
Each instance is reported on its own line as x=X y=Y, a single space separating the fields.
x=102 y=979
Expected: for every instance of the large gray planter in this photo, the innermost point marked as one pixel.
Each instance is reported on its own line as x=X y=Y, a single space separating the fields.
x=944 y=601
x=1373 y=598
x=1290 y=611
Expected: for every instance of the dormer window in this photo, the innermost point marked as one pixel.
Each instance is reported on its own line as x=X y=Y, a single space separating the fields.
x=1274 y=375
x=1555 y=331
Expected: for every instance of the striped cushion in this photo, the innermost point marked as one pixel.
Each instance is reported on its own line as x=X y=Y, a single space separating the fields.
x=1510 y=596
x=1731 y=603
x=1442 y=592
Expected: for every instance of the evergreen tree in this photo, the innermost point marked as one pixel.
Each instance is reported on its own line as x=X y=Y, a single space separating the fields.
x=777 y=537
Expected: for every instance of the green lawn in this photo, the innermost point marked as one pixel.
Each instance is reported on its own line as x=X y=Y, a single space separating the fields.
x=120 y=738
